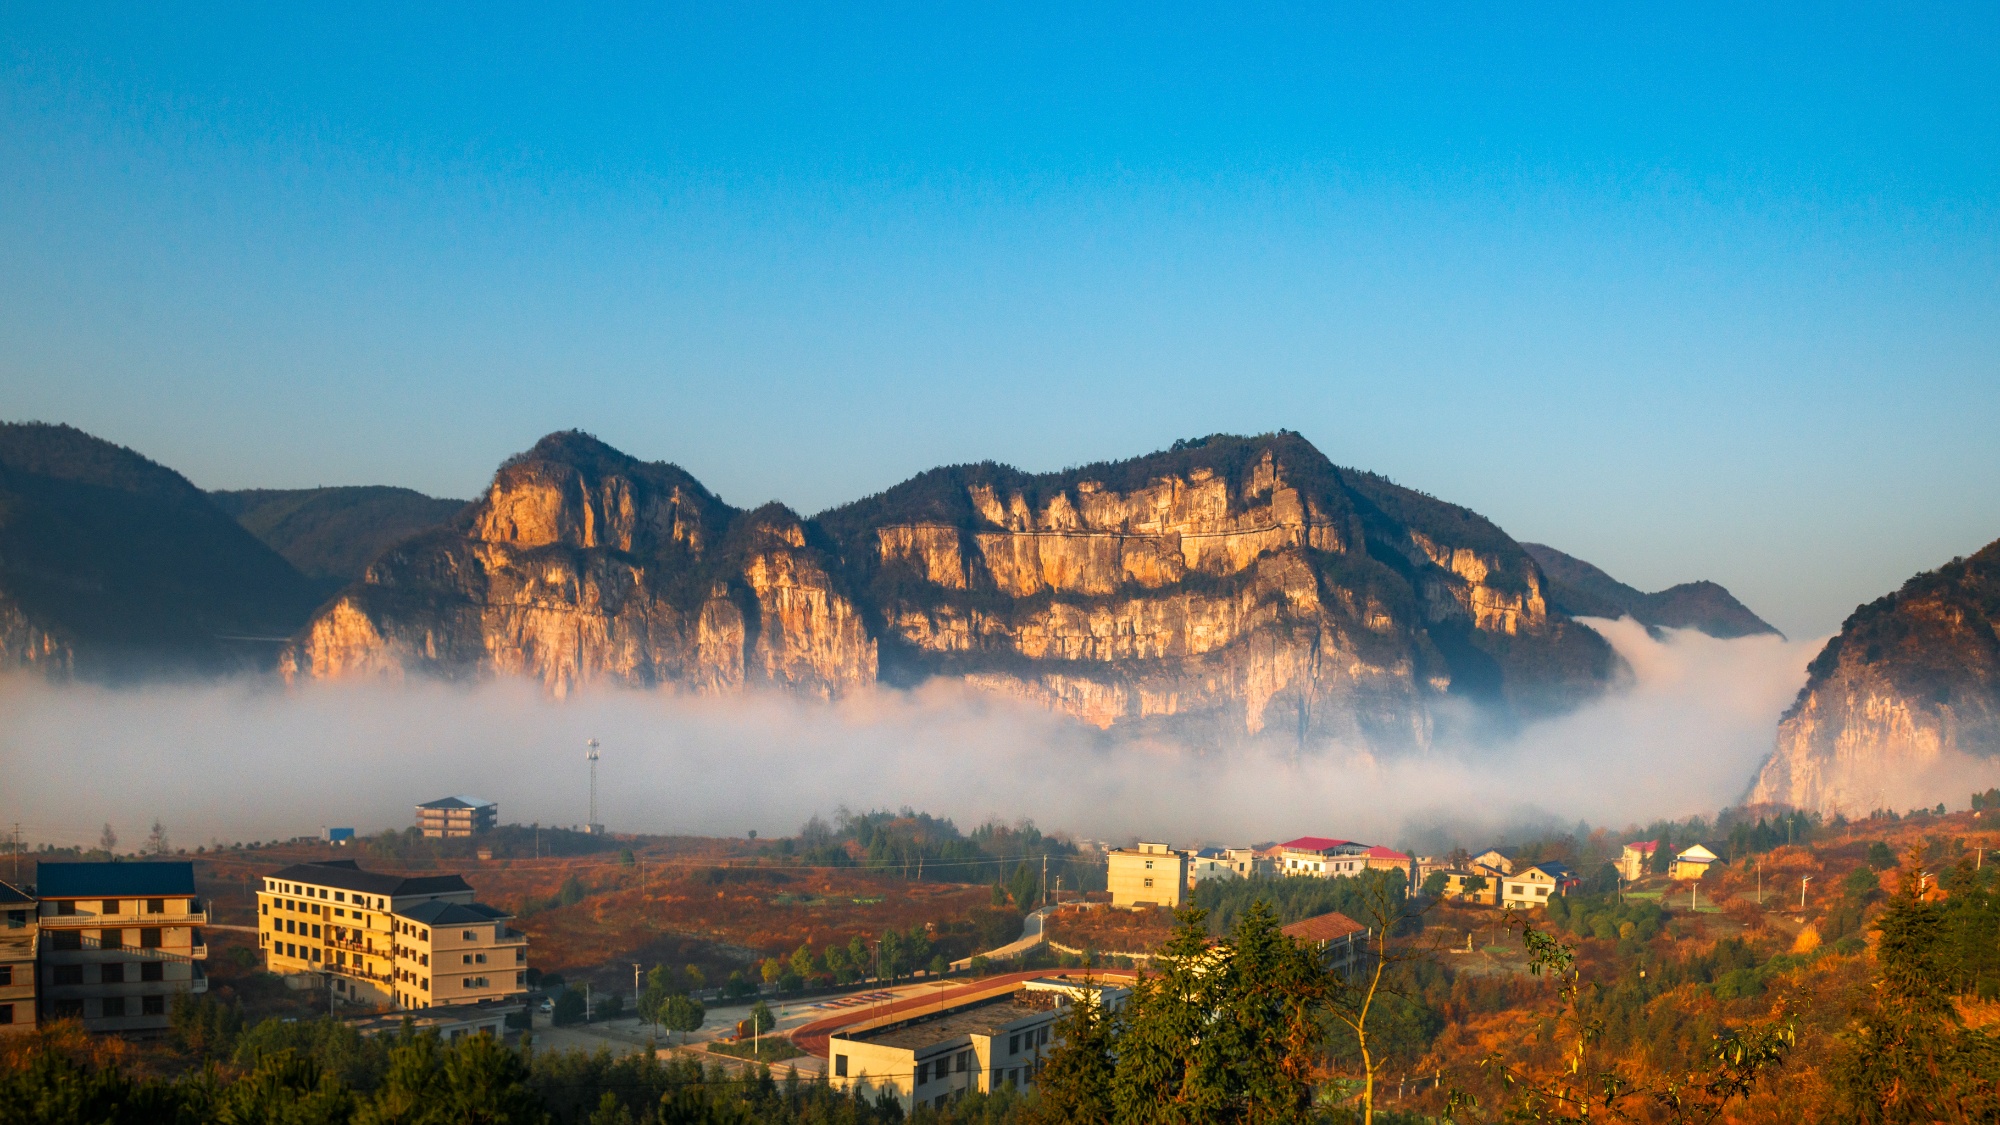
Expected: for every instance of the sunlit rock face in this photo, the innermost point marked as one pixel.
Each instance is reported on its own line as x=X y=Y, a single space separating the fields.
x=1229 y=587
x=26 y=645
x=581 y=564
x=1902 y=708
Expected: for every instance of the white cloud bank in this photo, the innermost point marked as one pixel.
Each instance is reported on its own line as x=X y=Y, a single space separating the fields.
x=252 y=760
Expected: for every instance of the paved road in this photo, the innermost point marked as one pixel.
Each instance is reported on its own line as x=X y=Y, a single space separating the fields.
x=1031 y=936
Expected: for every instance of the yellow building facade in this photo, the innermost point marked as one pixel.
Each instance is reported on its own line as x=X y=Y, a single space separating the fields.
x=376 y=939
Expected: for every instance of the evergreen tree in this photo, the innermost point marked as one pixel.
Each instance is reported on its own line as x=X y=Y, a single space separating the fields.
x=1075 y=1084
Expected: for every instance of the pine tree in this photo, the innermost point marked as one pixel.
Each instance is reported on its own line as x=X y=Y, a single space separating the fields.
x=1074 y=1087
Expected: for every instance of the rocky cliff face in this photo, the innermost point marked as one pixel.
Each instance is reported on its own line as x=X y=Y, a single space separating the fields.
x=583 y=564
x=1230 y=586
x=1902 y=708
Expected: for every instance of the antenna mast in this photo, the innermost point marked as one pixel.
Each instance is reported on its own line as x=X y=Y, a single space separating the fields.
x=591 y=826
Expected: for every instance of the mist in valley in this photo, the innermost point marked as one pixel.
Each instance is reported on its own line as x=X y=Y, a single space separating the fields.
x=251 y=759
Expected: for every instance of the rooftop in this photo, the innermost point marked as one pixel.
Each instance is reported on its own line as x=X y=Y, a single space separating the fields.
x=9 y=893
x=1331 y=926
x=348 y=876
x=435 y=913
x=985 y=1018
x=136 y=879
x=1314 y=844
x=1648 y=847
x=1380 y=852
x=457 y=803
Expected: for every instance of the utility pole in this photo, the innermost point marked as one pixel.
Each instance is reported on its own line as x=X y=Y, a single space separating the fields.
x=1045 y=879
x=1803 y=880
x=1760 y=881
x=635 y=988
x=590 y=825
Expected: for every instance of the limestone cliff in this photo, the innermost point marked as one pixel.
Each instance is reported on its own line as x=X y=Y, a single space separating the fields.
x=583 y=564
x=1902 y=708
x=1229 y=586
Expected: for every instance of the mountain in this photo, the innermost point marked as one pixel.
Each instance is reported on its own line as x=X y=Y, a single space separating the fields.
x=331 y=534
x=1902 y=707
x=1227 y=586
x=111 y=565
x=1581 y=590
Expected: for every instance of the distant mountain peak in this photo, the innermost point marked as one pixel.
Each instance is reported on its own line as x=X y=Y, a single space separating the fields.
x=1583 y=590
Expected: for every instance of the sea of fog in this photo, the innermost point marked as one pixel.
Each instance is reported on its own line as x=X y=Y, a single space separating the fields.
x=252 y=759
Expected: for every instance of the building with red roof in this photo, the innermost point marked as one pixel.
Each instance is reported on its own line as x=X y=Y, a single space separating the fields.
x=1321 y=856
x=1341 y=941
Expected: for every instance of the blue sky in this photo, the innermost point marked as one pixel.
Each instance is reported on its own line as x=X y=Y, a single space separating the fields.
x=1689 y=293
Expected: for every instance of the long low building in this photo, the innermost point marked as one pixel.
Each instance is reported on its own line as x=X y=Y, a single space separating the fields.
x=975 y=1039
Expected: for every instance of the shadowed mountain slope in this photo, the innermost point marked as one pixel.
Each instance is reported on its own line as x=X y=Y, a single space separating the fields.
x=1582 y=590
x=112 y=565
x=332 y=534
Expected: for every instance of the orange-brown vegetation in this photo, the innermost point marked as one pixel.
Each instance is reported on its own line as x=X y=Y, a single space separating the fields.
x=1108 y=929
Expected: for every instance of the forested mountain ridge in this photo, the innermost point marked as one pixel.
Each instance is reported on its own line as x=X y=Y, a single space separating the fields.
x=112 y=565
x=1903 y=705
x=1582 y=590
x=332 y=534
x=1226 y=586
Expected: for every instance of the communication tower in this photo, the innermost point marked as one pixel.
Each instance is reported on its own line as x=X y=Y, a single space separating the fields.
x=591 y=827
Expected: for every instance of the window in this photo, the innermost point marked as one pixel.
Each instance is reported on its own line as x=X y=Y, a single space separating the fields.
x=315 y=954
x=65 y=939
x=1149 y=865
x=1149 y=881
x=424 y=983
x=111 y=972
x=1014 y=1044
x=65 y=908
x=521 y=980
x=315 y=931
x=923 y=1073
x=112 y=1007
x=152 y=1005
x=479 y=958
x=17 y=919
x=840 y=1066
x=340 y=896
x=67 y=1009
x=469 y=935
x=1542 y=891
x=66 y=974
x=156 y=906
x=465 y=958
x=520 y=955
x=424 y=959
x=1042 y=1036
x=6 y=1013
x=111 y=939
x=111 y=906
x=149 y=938
x=964 y=1061
x=152 y=971
x=423 y=935
x=265 y=907
x=6 y=975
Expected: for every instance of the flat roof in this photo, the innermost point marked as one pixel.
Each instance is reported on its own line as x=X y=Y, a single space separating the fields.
x=348 y=876
x=984 y=1018
x=136 y=879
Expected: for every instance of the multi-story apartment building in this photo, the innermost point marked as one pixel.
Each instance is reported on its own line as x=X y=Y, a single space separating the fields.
x=18 y=933
x=118 y=941
x=415 y=941
x=1148 y=875
x=454 y=817
x=450 y=953
x=1321 y=857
